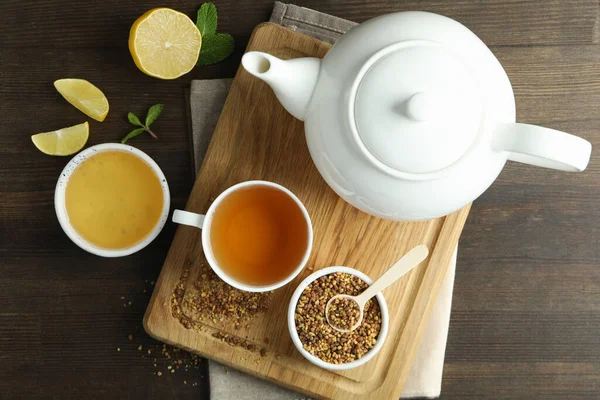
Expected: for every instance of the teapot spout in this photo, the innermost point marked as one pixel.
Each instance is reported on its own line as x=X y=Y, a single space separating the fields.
x=293 y=81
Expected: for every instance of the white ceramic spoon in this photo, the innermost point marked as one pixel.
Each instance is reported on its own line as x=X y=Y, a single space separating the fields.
x=395 y=272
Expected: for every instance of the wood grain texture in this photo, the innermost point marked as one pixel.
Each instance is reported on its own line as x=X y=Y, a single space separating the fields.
x=256 y=138
x=526 y=307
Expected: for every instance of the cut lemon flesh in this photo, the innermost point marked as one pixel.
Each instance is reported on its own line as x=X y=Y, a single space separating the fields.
x=86 y=97
x=62 y=142
x=164 y=43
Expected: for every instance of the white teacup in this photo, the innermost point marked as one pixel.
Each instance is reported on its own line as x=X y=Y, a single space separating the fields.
x=204 y=222
x=63 y=217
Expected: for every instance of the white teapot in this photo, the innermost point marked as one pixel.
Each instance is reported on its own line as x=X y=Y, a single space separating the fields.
x=410 y=116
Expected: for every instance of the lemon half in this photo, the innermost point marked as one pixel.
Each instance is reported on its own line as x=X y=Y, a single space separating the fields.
x=86 y=97
x=62 y=142
x=164 y=43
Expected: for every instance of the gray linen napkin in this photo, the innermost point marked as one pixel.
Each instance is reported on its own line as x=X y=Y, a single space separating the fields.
x=207 y=98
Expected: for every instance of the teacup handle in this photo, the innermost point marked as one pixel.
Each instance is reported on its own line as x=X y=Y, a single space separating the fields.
x=543 y=147
x=188 y=218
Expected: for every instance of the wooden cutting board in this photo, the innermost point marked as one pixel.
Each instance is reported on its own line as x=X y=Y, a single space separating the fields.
x=256 y=138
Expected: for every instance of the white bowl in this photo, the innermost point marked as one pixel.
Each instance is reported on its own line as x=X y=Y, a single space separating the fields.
x=385 y=317
x=63 y=217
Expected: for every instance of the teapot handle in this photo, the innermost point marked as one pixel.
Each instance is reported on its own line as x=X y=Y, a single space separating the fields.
x=543 y=147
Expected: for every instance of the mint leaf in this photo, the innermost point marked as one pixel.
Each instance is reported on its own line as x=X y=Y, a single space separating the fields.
x=151 y=116
x=215 y=48
x=133 y=119
x=153 y=113
x=133 y=133
x=207 y=20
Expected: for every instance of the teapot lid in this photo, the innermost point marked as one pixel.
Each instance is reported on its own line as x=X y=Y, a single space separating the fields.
x=416 y=107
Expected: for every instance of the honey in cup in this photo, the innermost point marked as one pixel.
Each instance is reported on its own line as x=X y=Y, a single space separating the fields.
x=114 y=199
x=258 y=235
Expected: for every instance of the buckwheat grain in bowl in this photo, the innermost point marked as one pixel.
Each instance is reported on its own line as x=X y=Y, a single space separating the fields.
x=316 y=340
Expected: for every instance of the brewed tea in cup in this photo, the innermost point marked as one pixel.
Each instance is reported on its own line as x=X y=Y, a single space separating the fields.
x=112 y=199
x=257 y=235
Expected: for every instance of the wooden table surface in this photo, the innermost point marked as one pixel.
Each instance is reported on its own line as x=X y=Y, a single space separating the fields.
x=526 y=315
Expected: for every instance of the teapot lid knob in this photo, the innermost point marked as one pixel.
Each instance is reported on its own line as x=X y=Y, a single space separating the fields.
x=424 y=106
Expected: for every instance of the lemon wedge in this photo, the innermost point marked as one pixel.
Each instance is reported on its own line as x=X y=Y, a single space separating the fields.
x=86 y=97
x=62 y=142
x=164 y=43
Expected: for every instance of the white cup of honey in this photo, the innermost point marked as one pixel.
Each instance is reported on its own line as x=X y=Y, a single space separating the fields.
x=112 y=200
x=257 y=235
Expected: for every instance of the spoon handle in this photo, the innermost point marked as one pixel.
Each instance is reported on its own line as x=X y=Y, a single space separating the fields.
x=395 y=272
